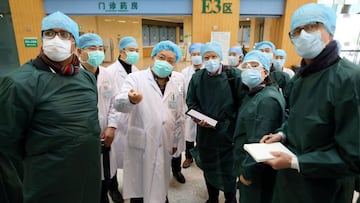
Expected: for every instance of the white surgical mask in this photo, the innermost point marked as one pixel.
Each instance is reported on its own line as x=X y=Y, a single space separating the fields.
x=233 y=60
x=212 y=65
x=308 y=45
x=196 y=60
x=251 y=77
x=57 y=49
x=278 y=64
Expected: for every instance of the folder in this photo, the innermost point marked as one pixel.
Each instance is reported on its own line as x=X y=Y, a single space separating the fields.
x=199 y=116
x=261 y=151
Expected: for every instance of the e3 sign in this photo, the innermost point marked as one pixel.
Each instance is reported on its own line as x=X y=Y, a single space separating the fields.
x=214 y=6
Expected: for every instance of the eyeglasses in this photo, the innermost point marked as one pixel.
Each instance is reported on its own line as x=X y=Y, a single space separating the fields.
x=163 y=57
x=131 y=50
x=251 y=65
x=210 y=56
x=50 y=34
x=311 y=27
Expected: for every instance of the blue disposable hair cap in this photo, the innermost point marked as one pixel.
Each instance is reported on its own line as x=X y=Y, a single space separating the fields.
x=167 y=45
x=280 y=52
x=90 y=39
x=260 y=57
x=195 y=47
x=60 y=20
x=127 y=41
x=312 y=13
x=264 y=45
x=237 y=50
x=211 y=47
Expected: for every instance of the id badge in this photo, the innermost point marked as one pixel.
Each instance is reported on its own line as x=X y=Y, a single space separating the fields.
x=106 y=89
x=172 y=102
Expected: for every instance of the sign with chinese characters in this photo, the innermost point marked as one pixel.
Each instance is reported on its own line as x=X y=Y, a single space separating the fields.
x=120 y=7
x=215 y=6
x=30 y=42
x=117 y=6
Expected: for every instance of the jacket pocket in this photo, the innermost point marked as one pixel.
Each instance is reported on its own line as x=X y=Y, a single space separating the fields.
x=136 y=138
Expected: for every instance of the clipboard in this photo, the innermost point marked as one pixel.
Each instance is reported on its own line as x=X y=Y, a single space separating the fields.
x=199 y=116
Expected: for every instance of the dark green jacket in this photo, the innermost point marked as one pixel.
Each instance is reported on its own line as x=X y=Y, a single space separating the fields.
x=212 y=96
x=280 y=78
x=262 y=112
x=49 y=137
x=323 y=130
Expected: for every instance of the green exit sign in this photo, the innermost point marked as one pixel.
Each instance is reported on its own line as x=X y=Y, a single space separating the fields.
x=30 y=42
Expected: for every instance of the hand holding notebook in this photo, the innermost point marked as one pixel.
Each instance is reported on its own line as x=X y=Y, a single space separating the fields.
x=261 y=151
x=199 y=116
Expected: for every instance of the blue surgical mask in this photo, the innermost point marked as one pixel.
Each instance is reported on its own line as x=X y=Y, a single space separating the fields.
x=95 y=58
x=162 y=68
x=233 y=60
x=212 y=65
x=196 y=60
x=132 y=57
x=278 y=64
x=251 y=77
x=308 y=45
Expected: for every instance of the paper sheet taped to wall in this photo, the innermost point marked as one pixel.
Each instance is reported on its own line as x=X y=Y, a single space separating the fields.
x=261 y=151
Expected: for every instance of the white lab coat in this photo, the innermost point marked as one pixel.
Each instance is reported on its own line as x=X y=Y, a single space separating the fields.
x=156 y=125
x=118 y=73
x=190 y=125
x=108 y=116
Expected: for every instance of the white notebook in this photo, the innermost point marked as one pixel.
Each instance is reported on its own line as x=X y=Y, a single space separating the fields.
x=199 y=116
x=261 y=151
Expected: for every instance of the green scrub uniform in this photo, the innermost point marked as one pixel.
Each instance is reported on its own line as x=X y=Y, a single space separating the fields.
x=261 y=113
x=280 y=78
x=212 y=96
x=323 y=129
x=49 y=137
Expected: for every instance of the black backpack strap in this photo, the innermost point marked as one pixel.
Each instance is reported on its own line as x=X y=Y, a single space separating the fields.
x=231 y=81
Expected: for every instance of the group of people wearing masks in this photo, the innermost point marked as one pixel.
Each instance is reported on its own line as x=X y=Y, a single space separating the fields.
x=57 y=106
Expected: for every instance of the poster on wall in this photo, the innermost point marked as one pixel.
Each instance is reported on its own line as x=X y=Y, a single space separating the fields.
x=246 y=36
x=224 y=39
